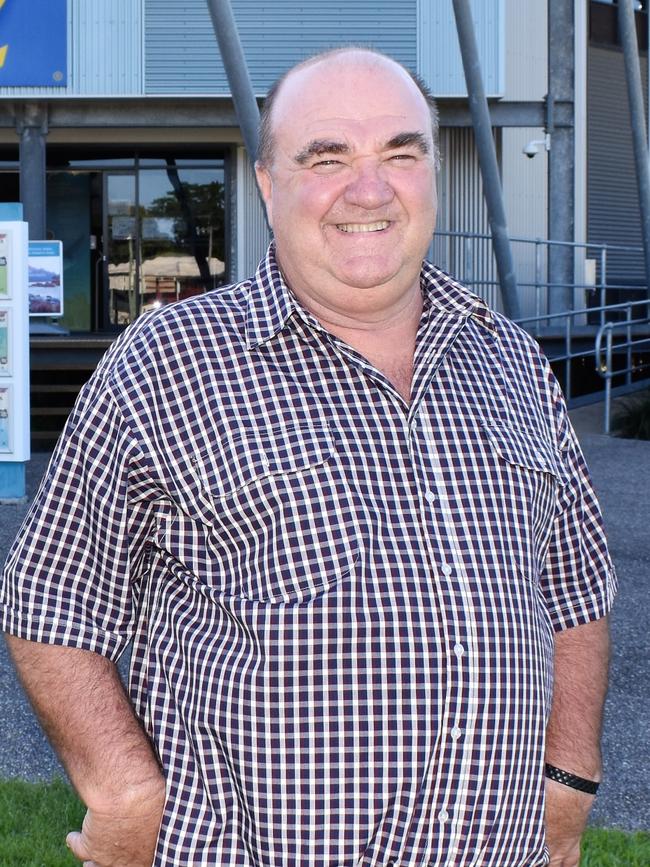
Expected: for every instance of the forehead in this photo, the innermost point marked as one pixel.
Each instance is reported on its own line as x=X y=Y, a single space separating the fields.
x=349 y=96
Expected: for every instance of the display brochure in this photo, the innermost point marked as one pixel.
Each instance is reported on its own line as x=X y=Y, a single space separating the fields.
x=5 y=251
x=45 y=279
x=5 y=366
x=5 y=418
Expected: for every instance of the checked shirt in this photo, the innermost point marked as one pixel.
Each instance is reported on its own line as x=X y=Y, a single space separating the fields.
x=341 y=606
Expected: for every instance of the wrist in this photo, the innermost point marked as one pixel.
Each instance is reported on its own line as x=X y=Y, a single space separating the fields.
x=571 y=780
x=137 y=798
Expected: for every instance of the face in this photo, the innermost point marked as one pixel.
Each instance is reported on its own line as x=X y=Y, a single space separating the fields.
x=351 y=193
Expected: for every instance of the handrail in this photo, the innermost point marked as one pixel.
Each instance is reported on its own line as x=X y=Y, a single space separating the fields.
x=605 y=366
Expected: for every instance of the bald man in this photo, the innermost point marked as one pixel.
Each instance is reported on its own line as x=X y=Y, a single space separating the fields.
x=340 y=513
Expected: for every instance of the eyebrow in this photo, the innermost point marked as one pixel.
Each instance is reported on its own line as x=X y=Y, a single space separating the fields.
x=319 y=146
x=409 y=139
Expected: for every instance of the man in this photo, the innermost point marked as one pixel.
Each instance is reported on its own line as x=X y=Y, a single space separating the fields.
x=341 y=514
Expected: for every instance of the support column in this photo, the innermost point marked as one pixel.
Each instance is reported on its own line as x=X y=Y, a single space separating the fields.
x=32 y=129
x=627 y=35
x=561 y=165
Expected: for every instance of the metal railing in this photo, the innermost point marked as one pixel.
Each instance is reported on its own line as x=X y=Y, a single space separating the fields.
x=468 y=256
x=626 y=344
x=568 y=353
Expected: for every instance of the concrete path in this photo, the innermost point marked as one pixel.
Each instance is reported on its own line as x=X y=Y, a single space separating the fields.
x=621 y=471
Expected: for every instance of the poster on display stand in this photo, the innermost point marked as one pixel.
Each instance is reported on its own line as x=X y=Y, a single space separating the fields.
x=5 y=419
x=14 y=343
x=45 y=280
x=5 y=261
x=5 y=352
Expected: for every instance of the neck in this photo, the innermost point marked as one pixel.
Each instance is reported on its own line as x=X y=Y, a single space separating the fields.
x=387 y=342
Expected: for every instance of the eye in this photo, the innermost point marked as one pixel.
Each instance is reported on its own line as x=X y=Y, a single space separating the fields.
x=327 y=166
x=402 y=158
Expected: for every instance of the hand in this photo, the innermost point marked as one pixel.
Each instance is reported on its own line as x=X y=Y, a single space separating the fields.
x=119 y=838
x=566 y=816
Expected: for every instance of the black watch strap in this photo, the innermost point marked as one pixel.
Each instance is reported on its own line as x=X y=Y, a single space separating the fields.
x=571 y=780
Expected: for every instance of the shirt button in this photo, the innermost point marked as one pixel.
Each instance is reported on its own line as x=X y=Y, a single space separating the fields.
x=455 y=733
x=443 y=815
x=430 y=497
x=459 y=650
x=446 y=569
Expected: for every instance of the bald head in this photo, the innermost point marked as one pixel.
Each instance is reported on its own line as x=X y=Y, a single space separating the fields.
x=329 y=61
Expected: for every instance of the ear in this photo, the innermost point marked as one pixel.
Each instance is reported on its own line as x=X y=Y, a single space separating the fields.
x=265 y=184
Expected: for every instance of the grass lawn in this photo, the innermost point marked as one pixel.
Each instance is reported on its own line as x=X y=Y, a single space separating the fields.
x=35 y=817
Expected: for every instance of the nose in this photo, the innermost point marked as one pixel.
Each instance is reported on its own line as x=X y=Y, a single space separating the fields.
x=369 y=188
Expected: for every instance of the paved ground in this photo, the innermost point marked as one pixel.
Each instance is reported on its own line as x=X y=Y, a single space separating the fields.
x=621 y=471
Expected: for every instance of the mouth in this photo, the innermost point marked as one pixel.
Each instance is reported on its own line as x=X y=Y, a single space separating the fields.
x=358 y=228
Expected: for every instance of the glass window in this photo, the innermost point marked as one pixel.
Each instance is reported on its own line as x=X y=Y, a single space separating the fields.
x=182 y=232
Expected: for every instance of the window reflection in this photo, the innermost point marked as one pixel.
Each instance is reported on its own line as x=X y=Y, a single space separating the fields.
x=166 y=234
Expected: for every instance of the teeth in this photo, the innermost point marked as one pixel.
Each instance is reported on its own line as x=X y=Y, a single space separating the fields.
x=363 y=227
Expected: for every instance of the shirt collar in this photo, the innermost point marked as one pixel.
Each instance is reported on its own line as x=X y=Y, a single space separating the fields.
x=448 y=295
x=271 y=303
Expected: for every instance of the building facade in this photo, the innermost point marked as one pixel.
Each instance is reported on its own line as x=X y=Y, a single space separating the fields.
x=127 y=149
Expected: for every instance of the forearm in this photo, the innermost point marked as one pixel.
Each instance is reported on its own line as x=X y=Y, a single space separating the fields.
x=580 y=686
x=87 y=716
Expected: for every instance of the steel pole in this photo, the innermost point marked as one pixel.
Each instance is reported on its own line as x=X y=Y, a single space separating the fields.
x=627 y=33
x=561 y=157
x=234 y=62
x=487 y=158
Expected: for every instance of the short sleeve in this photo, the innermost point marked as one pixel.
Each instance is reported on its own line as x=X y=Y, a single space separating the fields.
x=579 y=580
x=71 y=576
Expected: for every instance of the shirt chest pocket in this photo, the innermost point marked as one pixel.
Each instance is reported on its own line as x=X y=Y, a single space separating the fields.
x=282 y=525
x=524 y=476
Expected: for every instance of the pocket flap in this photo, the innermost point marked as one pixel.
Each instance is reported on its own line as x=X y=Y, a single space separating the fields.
x=525 y=448
x=253 y=455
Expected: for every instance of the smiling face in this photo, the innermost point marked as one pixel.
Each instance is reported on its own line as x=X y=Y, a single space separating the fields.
x=350 y=192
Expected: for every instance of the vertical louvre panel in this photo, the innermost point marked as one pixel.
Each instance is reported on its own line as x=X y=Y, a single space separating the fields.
x=613 y=199
x=462 y=209
x=252 y=232
x=439 y=58
x=107 y=46
x=182 y=55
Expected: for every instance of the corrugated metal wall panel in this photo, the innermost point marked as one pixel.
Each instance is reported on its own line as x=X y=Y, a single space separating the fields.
x=612 y=195
x=181 y=54
x=252 y=231
x=526 y=50
x=104 y=51
x=461 y=208
x=107 y=46
x=439 y=60
x=525 y=189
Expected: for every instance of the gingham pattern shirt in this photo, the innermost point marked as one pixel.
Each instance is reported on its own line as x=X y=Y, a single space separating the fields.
x=342 y=606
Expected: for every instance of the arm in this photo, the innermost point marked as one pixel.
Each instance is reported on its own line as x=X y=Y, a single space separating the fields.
x=573 y=733
x=82 y=706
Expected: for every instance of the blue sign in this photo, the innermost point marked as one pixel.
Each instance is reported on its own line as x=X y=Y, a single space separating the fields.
x=33 y=43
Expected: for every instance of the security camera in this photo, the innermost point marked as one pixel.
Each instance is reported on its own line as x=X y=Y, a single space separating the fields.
x=534 y=147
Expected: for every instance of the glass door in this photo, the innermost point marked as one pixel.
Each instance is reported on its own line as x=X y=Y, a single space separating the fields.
x=163 y=236
x=121 y=241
